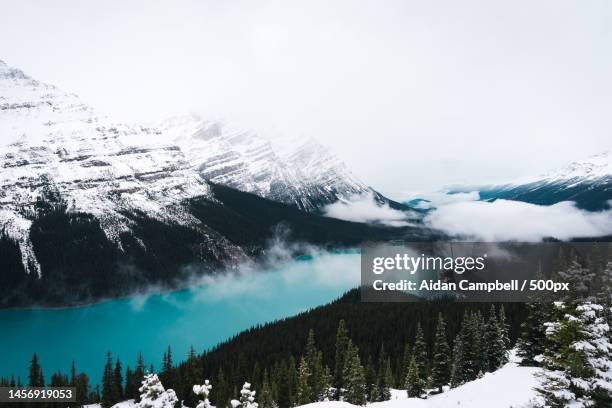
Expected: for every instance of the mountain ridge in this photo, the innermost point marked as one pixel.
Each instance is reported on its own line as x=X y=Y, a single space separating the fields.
x=588 y=182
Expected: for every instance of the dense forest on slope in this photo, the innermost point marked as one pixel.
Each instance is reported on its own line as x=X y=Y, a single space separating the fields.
x=276 y=347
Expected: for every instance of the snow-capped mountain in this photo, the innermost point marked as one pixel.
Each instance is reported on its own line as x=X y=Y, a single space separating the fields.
x=297 y=172
x=588 y=182
x=75 y=178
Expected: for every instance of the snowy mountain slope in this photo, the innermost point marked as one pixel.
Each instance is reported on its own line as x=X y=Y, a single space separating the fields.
x=297 y=172
x=588 y=182
x=50 y=139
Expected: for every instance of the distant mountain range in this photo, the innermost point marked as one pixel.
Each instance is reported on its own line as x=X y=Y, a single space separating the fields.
x=102 y=208
x=587 y=182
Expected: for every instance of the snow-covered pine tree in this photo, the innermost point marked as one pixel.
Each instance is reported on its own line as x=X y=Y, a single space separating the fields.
x=598 y=350
x=459 y=373
x=478 y=344
x=304 y=391
x=578 y=358
x=340 y=357
x=440 y=370
x=495 y=348
x=414 y=384
x=533 y=337
x=419 y=352
x=579 y=278
x=247 y=398
x=354 y=377
x=153 y=394
x=203 y=391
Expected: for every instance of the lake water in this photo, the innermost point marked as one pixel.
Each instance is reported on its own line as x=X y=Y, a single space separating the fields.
x=202 y=316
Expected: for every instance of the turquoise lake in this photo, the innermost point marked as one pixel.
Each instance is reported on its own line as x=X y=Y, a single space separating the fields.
x=204 y=315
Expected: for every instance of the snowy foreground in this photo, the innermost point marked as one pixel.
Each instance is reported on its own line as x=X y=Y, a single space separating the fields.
x=510 y=386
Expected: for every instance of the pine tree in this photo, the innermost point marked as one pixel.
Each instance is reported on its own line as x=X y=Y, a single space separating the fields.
x=339 y=359
x=131 y=385
x=440 y=371
x=107 y=398
x=459 y=373
x=533 y=338
x=319 y=385
x=285 y=392
x=327 y=391
x=117 y=382
x=478 y=344
x=36 y=377
x=222 y=391
x=378 y=381
x=372 y=381
x=108 y=383
x=314 y=361
x=388 y=380
x=292 y=379
x=420 y=352
x=495 y=343
x=579 y=278
x=577 y=358
x=304 y=391
x=266 y=399
x=504 y=335
x=166 y=375
x=353 y=376
x=82 y=389
x=139 y=374
x=73 y=374
x=192 y=374
x=414 y=384
x=154 y=395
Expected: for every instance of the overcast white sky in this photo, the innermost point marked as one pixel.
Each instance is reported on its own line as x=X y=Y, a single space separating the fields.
x=413 y=95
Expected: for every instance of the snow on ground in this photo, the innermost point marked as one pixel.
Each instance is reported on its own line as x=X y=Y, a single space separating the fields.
x=124 y=404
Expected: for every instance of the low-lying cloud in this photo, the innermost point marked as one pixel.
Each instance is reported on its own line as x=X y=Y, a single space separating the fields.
x=438 y=198
x=504 y=220
x=364 y=208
